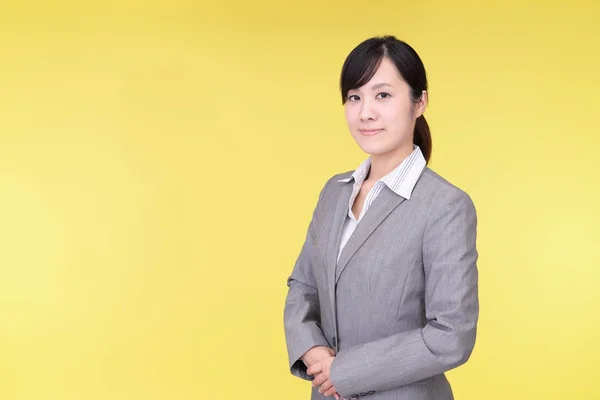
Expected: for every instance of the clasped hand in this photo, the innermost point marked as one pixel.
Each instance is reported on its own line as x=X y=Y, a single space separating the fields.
x=319 y=360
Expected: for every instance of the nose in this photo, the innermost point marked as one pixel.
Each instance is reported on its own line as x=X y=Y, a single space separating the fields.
x=366 y=111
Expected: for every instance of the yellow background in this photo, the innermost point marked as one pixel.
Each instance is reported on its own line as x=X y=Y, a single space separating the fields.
x=159 y=163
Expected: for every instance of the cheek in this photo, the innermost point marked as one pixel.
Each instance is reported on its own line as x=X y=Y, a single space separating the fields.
x=350 y=115
x=399 y=116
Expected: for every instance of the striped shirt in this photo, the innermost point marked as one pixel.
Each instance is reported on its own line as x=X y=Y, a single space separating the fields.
x=401 y=181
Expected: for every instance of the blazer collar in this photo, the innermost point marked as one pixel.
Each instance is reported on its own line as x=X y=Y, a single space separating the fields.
x=401 y=180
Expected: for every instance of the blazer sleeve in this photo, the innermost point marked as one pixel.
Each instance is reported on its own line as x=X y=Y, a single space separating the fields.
x=451 y=304
x=302 y=316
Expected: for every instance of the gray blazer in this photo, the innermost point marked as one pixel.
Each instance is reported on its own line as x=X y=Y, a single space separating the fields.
x=401 y=306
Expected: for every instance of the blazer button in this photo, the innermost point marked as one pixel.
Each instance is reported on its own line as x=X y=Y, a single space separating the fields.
x=364 y=394
x=371 y=392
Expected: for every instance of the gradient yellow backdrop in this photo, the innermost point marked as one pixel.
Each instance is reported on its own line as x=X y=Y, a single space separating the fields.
x=159 y=163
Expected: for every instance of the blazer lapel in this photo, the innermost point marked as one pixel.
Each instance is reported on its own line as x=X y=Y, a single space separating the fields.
x=383 y=205
x=335 y=236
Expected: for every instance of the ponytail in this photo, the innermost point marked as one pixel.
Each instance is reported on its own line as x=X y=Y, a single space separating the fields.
x=422 y=137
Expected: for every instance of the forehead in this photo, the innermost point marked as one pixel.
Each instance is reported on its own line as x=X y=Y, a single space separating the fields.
x=385 y=73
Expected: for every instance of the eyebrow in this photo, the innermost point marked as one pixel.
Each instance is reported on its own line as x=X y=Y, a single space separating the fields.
x=380 y=85
x=377 y=86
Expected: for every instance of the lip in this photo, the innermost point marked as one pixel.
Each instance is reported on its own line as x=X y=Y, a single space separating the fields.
x=370 y=132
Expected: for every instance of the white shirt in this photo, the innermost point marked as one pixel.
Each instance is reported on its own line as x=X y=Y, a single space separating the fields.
x=401 y=181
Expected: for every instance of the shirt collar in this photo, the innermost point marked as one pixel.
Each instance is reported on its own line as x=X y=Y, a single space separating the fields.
x=401 y=180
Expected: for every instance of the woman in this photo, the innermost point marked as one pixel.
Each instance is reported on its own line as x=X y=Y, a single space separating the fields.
x=383 y=298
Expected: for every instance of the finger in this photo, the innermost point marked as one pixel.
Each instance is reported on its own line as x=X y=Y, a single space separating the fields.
x=336 y=396
x=326 y=386
x=330 y=392
x=314 y=369
x=319 y=379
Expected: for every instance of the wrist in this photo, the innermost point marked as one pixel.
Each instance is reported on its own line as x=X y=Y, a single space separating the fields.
x=316 y=354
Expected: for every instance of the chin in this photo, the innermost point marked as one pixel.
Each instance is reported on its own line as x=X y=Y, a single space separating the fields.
x=383 y=147
x=373 y=149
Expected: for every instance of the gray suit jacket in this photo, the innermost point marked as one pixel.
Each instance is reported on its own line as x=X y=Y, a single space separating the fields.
x=401 y=306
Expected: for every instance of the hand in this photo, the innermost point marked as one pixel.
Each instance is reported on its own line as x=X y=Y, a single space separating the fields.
x=316 y=354
x=321 y=371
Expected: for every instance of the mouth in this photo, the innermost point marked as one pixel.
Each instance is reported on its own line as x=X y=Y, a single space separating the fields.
x=370 y=132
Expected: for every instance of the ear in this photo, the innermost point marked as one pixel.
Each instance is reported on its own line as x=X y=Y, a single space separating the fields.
x=421 y=105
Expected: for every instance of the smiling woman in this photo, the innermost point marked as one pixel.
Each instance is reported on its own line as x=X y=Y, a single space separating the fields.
x=383 y=298
x=403 y=88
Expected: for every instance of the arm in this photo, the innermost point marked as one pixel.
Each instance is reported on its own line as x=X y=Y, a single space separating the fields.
x=302 y=316
x=452 y=310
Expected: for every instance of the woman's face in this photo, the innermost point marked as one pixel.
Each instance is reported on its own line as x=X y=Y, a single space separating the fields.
x=381 y=115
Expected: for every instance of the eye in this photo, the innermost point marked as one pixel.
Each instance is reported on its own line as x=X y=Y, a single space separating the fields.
x=353 y=97
x=383 y=95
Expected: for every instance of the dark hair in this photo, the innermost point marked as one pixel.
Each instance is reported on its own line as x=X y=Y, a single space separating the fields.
x=364 y=60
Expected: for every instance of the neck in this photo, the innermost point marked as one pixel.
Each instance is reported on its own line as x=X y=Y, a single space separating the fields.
x=383 y=164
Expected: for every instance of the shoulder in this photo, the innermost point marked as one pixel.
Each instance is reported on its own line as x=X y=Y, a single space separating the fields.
x=335 y=180
x=343 y=175
x=331 y=188
x=441 y=191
